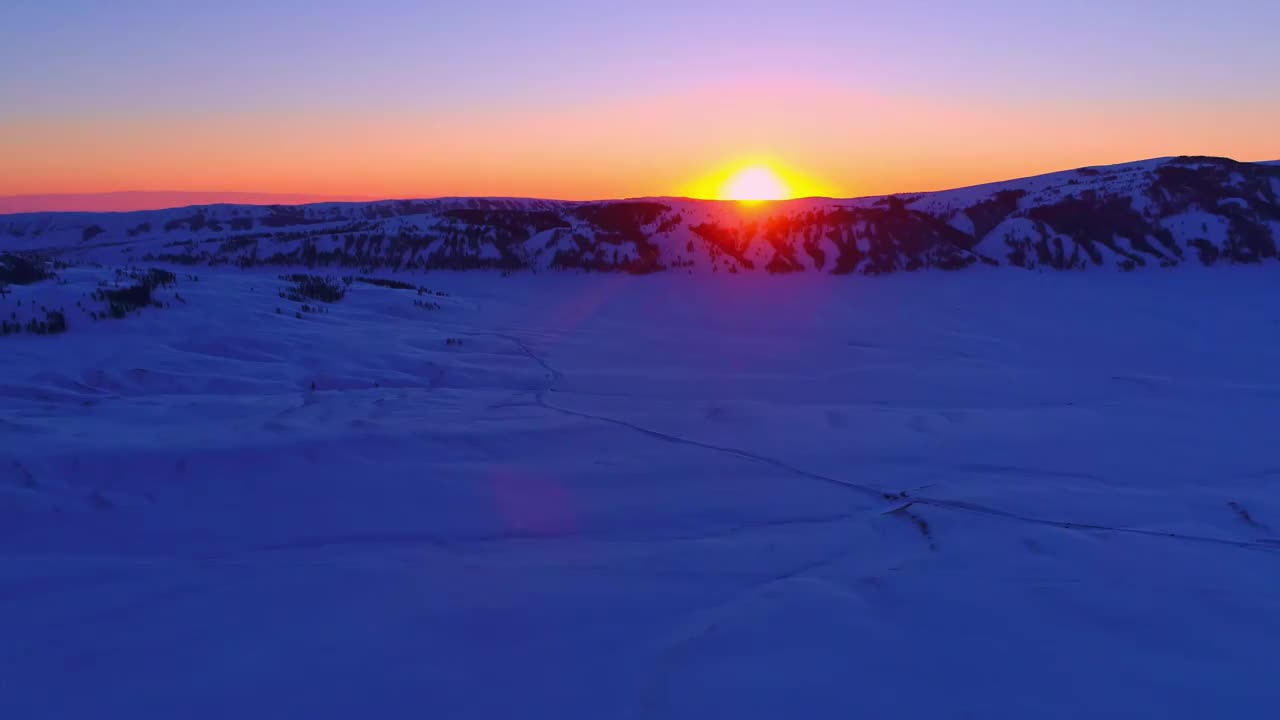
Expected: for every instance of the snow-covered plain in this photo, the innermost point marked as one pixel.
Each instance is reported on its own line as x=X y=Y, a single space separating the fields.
x=986 y=495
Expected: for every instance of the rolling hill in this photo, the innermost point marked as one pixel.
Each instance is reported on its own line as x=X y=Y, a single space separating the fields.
x=1155 y=213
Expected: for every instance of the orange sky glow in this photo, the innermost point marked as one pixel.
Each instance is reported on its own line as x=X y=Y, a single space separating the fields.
x=823 y=140
x=842 y=145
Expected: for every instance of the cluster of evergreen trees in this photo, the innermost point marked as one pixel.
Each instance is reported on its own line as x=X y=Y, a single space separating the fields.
x=313 y=287
x=54 y=322
x=21 y=270
x=382 y=282
x=122 y=301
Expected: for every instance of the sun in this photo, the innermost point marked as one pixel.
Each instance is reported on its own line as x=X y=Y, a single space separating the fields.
x=755 y=180
x=754 y=184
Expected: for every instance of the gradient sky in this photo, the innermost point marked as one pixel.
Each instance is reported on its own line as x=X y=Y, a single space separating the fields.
x=577 y=99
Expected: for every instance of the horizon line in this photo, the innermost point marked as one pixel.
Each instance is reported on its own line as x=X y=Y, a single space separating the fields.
x=353 y=198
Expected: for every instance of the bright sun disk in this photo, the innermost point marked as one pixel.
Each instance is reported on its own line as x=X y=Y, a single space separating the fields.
x=754 y=184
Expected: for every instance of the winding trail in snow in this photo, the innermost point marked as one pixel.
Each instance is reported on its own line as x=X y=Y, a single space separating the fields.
x=781 y=465
x=902 y=500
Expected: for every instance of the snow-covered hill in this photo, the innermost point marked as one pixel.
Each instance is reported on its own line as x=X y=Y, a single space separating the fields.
x=1159 y=212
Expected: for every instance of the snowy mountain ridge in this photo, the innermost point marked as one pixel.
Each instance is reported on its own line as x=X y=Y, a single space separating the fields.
x=1160 y=212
